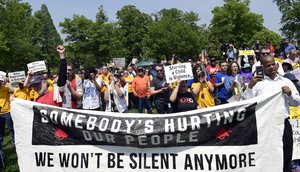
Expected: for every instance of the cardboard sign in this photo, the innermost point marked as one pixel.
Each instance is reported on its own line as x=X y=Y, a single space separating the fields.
x=119 y=62
x=246 y=52
x=37 y=66
x=296 y=138
x=16 y=76
x=182 y=71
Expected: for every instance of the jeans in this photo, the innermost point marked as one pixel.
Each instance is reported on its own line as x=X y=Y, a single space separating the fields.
x=144 y=102
x=103 y=103
x=6 y=118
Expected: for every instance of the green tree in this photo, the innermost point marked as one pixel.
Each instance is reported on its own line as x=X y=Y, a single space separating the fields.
x=174 y=32
x=16 y=45
x=47 y=37
x=78 y=31
x=265 y=36
x=290 y=19
x=234 y=23
x=129 y=32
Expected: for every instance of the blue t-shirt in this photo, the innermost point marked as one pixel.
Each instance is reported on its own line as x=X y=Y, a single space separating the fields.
x=229 y=81
x=221 y=90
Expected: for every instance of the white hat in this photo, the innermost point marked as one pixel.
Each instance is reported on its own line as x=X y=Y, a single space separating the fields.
x=2 y=73
x=2 y=78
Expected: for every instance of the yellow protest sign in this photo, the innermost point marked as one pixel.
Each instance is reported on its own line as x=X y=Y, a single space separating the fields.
x=295 y=112
x=246 y=52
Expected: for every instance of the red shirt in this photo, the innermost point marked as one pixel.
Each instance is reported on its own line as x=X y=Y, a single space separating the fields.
x=48 y=99
x=213 y=71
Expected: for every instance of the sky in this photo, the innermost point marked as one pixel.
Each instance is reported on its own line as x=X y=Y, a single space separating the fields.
x=61 y=9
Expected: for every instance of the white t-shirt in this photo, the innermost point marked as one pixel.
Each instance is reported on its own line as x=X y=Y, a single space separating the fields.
x=90 y=99
x=120 y=101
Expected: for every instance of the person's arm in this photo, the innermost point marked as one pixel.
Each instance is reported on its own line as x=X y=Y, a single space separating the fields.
x=62 y=75
x=117 y=88
x=77 y=95
x=133 y=87
x=175 y=92
x=97 y=83
x=10 y=88
x=27 y=79
x=195 y=90
x=292 y=94
x=211 y=88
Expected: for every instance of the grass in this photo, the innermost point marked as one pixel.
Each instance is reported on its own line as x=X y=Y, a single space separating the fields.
x=11 y=160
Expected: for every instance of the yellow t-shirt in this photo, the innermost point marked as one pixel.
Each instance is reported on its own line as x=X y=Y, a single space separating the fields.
x=33 y=95
x=106 y=79
x=4 y=99
x=23 y=93
x=129 y=78
x=204 y=98
x=51 y=84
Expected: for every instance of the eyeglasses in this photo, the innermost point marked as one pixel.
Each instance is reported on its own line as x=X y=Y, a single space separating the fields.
x=265 y=53
x=159 y=70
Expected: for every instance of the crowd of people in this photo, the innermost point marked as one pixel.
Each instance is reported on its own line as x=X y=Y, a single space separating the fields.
x=217 y=81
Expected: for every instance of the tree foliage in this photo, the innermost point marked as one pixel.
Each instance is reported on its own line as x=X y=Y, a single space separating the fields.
x=234 y=23
x=290 y=19
x=47 y=37
x=174 y=32
x=265 y=36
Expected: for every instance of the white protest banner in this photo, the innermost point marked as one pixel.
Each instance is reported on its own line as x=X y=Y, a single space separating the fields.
x=296 y=137
x=119 y=62
x=245 y=136
x=37 y=66
x=182 y=71
x=16 y=76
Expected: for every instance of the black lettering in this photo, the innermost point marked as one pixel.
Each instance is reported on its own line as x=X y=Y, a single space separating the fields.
x=111 y=160
x=145 y=162
x=75 y=160
x=154 y=161
x=198 y=161
x=64 y=159
x=209 y=160
x=221 y=163
x=188 y=163
x=50 y=159
x=84 y=160
x=232 y=161
x=174 y=155
x=242 y=158
x=40 y=158
x=120 y=160
x=133 y=164
x=98 y=159
x=251 y=159
x=164 y=161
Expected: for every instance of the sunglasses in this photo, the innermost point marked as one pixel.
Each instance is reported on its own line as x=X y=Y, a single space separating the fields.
x=159 y=70
x=265 y=53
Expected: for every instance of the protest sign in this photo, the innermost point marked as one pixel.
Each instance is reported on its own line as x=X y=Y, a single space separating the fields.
x=296 y=138
x=234 y=137
x=119 y=62
x=37 y=66
x=246 y=52
x=182 y=71
x=16 y=76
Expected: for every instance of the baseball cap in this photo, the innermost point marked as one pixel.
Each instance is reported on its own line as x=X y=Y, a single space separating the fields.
x=36 y=79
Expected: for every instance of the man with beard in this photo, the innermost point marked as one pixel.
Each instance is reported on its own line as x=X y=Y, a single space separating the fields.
x=161 y=91
x=72 y=90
